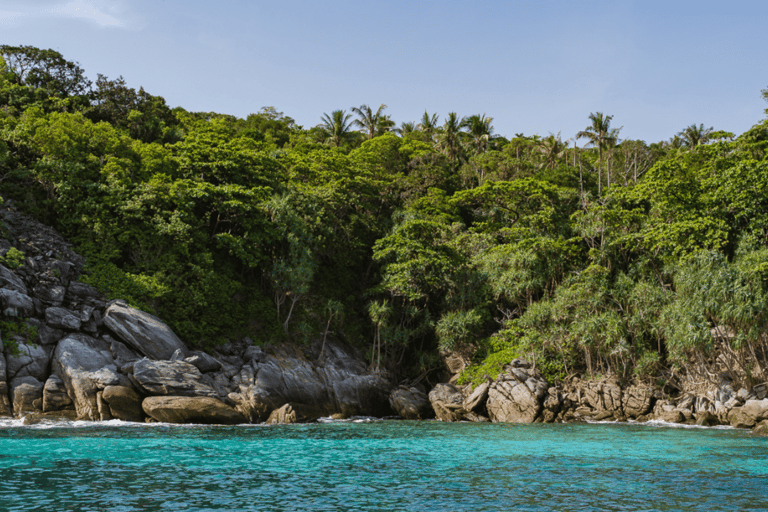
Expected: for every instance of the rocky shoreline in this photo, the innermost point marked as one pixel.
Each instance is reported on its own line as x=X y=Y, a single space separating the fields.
x=71 y=354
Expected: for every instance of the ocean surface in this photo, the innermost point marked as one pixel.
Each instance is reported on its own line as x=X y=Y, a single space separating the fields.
x=380 y=465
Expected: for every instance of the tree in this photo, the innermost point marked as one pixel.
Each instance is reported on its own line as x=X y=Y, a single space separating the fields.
x=369 y=121
x=336 y=127
x=601 y=136
x=428 y=125
x=45 y=69
x=551 y=149
x=693 y=135
x=449 y=138
x=481 y=131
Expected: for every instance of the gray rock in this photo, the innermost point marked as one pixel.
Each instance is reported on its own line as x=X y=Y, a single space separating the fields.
x=75 y=359
x=61 y=318
x=122 y=354
x=52 y=295
x=30 y=361
x=55 y=395
x=11 y=281
x=106 y=376
x=447 y=402
x=411 y=403
x=46 y=335
x=340 y=384
x=517 y=396
x=142 y=331
x=204 y=362
x=184 y=409
x=176 y=378
x=24 y=392
x=16 y=304
x=77 y=290
x=124 y=403
x=476 y=400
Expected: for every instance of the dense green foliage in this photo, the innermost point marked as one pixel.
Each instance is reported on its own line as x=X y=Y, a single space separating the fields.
x=619 y=257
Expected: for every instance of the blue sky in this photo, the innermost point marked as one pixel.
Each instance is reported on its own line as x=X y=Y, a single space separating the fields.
x=535 y=67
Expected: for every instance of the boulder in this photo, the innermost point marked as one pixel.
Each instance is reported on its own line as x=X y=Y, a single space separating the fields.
x=706 y=419
x=176 y=378
x=25 y=391
x=55 y=397
x=78 y=357
x=61 y=318
x=124 y=403
x=11 y=281
x=637 y=401
x=185 y=409
x=448 y=402
x=737 y=418
x=16 y=304
x=293 y=413
x=761 y=429
x=411 y=403
x=53 y=295
x=204 y=362
x=143 y=332
x=551 y=406
x=756 y=409
x=5 y=402
x=339 y=383
x=476 y=399
x=517 y=395
x=77 y=291
x=30 y=361
x=46 y=335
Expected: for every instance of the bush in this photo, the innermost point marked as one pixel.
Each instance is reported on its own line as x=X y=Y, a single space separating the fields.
x=14 y=258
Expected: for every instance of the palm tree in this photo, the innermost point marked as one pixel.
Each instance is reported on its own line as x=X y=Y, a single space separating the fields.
x=694 y=135
x=481 y=131
x=450 y=136
x=551 y=149
x=601 y=136
x=405 y=128
x=428 y=126
x=336 y=127
x=368 y=121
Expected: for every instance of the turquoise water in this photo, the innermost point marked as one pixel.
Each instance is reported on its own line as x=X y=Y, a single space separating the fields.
x=382 y=465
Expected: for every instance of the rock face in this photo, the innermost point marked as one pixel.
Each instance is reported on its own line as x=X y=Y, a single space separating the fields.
x=177 y=378
x=411 y=403
x=184 y=409
x=143 y=332
x=76 y=360
x=517 y=395
x=339 y=383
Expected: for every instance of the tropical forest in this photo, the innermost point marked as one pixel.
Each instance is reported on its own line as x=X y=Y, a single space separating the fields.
x=408 y=239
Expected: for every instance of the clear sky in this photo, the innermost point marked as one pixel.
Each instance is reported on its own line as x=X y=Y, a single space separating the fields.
x=535 y=66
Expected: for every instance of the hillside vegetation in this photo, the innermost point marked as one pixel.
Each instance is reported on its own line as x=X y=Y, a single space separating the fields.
x=607 y=257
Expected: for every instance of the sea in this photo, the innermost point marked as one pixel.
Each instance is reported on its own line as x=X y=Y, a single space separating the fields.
x=364 y=464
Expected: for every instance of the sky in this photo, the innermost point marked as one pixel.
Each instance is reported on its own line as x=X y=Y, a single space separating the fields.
x=536 y=67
